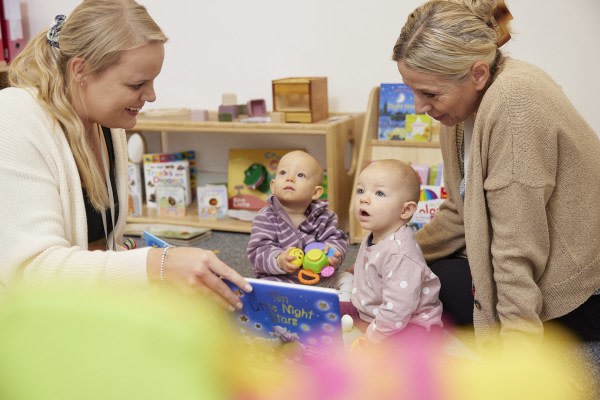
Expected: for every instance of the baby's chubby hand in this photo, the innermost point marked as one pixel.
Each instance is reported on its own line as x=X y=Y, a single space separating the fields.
x=334 y=256
x=284 y=261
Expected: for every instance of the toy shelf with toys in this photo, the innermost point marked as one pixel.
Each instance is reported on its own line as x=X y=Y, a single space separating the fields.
x=339 y=132
x=372 y=148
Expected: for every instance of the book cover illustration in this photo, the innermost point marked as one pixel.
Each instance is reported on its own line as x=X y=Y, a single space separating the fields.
x=189 y=155
x=418 y=128
x=168 y=173
x=154 y=241
x=429 y=203
x=289 y=321
x=249 y=175
x=396 y=101
x=212 y=201
x=171 y=201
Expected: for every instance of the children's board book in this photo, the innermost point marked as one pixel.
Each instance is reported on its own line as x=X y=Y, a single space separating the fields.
x=418 y=128
x=396 y=101
x=291 y=321
x=161 y=235
x=189 y=155
x=170 y=201
x=431 y=197
x=212 y=201
x=249 y=175
x=169 y=173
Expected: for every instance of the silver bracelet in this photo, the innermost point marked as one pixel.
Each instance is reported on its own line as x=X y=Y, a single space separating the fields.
x=163 y=259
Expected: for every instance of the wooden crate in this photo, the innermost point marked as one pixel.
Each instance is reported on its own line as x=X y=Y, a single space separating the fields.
x=301 y=99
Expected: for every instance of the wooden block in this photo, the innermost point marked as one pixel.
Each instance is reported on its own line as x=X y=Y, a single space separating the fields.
x=199 y=115
x=299 y=97
x=277 y=117
x=229 y=99
x=233 y=110
x=257 y=108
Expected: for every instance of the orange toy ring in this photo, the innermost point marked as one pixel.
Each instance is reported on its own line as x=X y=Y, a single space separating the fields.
x=308 y=277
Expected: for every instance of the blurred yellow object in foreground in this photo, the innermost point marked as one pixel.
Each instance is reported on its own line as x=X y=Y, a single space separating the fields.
x=119 y=343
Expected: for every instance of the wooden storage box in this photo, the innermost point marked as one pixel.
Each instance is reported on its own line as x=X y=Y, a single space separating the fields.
x=301 y=99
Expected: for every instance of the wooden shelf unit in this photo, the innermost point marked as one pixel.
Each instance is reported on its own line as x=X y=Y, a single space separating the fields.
x=372 y=148
x=339 y=131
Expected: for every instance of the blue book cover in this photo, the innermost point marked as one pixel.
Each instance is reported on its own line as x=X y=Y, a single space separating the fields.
x=154 y=241
x=293 y=321
x=396 y=101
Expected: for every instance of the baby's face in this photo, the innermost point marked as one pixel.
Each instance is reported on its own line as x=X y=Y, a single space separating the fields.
x=379 y=200
x=297 y=179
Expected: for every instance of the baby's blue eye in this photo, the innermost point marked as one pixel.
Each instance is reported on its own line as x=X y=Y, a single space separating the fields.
x=379 y=193
x=359 y=191
x=301 y=175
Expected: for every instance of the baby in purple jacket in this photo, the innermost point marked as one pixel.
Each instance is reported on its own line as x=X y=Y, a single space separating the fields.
x=295 y=217
x=394 y=289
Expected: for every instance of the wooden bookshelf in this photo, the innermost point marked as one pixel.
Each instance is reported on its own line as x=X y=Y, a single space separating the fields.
x=372 y=148
x=337 y=132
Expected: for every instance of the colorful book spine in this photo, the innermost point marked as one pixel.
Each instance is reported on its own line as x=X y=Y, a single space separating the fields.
x=134 y=177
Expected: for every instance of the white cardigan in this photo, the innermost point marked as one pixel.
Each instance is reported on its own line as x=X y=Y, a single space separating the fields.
x=43 y=231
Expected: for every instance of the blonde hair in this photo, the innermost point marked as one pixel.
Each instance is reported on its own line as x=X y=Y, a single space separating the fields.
x=97 y=31
x=446 y=38
x=406 y=176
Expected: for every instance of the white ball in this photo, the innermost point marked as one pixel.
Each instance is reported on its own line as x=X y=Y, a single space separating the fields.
x=347 y=323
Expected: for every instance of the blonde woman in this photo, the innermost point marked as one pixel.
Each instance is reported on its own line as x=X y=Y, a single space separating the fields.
x=511 y=252
x=63 y=163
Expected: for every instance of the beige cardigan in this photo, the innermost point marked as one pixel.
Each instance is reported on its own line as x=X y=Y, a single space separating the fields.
x=532 y=207
x=44 y=226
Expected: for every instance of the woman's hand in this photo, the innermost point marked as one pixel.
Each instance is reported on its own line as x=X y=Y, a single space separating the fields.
x=196 y=270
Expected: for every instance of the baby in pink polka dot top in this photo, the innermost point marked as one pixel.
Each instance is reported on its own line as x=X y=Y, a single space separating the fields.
x=393 y=288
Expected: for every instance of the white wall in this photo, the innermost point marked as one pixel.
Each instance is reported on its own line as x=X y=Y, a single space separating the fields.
x=240 y=46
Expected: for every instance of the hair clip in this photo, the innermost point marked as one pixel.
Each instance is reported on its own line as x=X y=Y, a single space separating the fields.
x=54 y=30
x=502 y=16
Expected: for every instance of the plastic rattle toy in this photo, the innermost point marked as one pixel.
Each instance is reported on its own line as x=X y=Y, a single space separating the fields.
x=314 y=262
x=298 y=255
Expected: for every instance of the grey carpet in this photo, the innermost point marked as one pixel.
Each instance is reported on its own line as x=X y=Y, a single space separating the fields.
x=231 y=248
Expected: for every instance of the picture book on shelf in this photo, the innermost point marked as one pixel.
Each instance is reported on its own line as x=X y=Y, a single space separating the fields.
x=169 y=173
x=212 y=201
x=396 y=101
x=189 y=155
x=170 y=201
x=418 y=127
x=134 y=178
x=291 y=321
x=431 y=198
x=249 y=174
